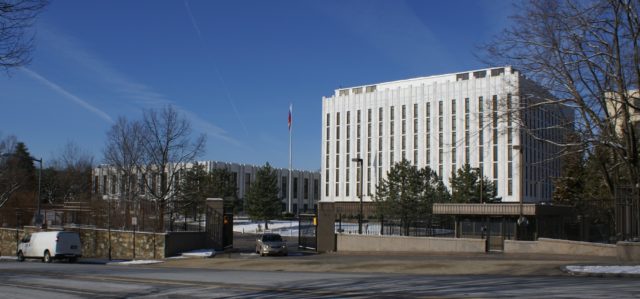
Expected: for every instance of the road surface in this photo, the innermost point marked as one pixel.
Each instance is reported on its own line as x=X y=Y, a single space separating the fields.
x=60 y=280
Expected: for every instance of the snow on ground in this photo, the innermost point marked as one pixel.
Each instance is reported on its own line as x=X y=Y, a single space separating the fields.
x=283 y=227
x=200 y=253
x=605 y=269
x=134 y=262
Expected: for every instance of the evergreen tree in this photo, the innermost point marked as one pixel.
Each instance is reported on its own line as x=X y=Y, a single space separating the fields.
x=223 y=185
x=262 y=201
x=467 y=187
x=194 y=189
x=408 y=194
x=18 y=180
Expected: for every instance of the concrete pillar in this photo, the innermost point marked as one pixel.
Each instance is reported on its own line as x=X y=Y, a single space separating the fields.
x=326 y=227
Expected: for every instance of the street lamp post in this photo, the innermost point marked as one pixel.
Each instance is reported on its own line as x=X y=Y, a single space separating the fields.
x=108 y=198
x=39 y=216
x=360 y=162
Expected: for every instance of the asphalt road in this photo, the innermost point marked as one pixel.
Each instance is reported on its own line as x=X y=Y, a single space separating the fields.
x=60 y=280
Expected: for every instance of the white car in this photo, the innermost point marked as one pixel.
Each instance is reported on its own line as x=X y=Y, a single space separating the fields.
x=50 y=245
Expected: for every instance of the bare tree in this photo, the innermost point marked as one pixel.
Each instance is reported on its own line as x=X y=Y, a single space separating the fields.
x=124 y=155
x=69 y=176
x=16 y=43
x=586 y=54
x=9 y=182
x=168 y=147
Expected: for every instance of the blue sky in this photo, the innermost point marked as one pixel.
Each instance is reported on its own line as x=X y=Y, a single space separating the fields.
x=231 y=67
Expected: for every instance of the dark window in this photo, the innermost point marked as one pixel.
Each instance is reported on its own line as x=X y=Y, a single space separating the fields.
x=284 y=187
x=463 y=76
x=295 y=187
x=480 y=74
x=113 y=184
x=306 y=190
x=497 y=72
x=315 y=189
x=247 y=182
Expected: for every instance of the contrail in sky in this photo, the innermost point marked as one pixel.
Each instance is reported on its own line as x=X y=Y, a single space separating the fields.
x=84 y=104
x=215 y=67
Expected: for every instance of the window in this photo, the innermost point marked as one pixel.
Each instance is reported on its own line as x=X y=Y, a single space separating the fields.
x=316 y=185
x=463 y=76
x=343 y=92
x=306 y=189
x=283 y=189
x=113 y=184
x=247 y=182
x=295 y=188
x=370 y=88
x=497 y=72
x=479 y=74
x=357 y=90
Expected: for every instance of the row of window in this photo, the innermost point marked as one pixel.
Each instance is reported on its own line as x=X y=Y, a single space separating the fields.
x=159 y=183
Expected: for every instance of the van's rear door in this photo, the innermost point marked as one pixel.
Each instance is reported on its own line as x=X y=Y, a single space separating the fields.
x=69 y=244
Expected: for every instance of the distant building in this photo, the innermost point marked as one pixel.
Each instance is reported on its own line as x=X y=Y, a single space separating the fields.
x=305 y=194
x=615 y=107
x=444 y=122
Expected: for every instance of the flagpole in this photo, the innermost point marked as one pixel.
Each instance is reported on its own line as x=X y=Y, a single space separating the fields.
x=290 y=187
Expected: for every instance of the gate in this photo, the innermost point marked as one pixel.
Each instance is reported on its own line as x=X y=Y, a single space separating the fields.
x=307 y=231
x=219 y=228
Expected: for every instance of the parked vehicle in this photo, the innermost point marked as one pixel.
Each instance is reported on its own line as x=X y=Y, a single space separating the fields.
x=50 y=245
x=271 y=243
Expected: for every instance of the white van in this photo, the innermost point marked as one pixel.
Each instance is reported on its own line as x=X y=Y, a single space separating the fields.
x=50 y=245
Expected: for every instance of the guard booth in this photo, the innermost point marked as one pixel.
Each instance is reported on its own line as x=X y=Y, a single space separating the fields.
x=219 y=225
x=307 y=231
x=496 y=222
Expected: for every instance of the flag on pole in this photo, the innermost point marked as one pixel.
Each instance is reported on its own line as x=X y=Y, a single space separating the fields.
x=290 y=112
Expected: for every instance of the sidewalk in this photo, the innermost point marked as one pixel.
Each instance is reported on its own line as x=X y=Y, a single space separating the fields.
x=432 y=264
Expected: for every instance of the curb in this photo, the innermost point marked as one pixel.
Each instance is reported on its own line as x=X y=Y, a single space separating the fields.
x=601 y=275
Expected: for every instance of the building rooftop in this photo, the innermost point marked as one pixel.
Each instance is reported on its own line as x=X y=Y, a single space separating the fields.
x=458 y=76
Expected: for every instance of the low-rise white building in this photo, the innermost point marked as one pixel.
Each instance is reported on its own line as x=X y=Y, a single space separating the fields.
x=305 y=184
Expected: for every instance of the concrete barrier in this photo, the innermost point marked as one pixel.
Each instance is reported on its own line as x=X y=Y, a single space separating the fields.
x=347 y=242
x=628 y=251
x=554 y=246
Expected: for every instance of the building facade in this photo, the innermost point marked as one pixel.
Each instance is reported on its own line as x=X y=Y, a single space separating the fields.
x=305 y=184
x=443 y=122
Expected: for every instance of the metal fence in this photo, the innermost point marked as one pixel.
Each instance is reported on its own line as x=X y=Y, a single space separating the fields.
x=141 y=215
x=435 y=227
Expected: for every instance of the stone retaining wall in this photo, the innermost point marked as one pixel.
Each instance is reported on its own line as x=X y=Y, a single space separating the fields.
x=346 y=242
x=555 y=246
x=95 y=243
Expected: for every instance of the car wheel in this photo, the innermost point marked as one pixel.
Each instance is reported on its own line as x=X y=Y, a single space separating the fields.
x=20 y=256
x=47 y=257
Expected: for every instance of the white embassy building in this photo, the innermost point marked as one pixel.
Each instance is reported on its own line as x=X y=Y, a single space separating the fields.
x=444 y=122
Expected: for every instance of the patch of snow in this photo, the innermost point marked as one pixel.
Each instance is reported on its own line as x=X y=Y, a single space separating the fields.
x=282 y=227
x=134 y=262
x=605 y=269
x=200 y=253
